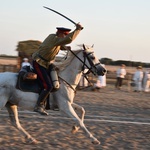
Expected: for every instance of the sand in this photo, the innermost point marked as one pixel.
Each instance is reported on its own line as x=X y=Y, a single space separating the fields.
x=119 y=119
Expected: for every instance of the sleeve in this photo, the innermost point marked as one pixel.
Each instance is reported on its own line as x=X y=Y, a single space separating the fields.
x=124 y=73
x=134 y=76
x=68 y=39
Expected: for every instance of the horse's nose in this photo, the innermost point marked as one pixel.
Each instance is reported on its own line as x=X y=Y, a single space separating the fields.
x=105 y=71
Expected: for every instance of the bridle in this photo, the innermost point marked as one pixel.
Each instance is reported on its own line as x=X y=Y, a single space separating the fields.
x=88 y=57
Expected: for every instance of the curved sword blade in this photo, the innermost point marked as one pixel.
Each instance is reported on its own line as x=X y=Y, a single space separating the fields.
x=60 y=14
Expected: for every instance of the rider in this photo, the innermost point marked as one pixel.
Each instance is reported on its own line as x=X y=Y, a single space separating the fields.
x=44 y=57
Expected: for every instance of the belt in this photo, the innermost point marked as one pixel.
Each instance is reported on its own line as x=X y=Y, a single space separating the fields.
x=42 y=58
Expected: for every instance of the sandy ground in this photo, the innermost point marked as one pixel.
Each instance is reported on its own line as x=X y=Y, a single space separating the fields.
x=119 y=119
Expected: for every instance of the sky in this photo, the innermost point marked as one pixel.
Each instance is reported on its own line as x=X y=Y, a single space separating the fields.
x=119 y=29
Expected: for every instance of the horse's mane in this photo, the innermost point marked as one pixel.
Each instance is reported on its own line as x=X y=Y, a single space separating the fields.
x=63 y=64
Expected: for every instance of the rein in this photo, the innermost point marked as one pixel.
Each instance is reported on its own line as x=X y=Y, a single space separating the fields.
x=68 y=84
x=83 y=67
x=84 y=61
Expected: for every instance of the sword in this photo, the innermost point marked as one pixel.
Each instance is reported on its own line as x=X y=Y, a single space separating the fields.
x=60 y=14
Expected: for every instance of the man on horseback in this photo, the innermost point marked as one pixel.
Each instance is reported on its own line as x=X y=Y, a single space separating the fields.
x=43 y=61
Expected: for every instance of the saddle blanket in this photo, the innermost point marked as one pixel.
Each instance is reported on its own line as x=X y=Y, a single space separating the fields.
x=27 y=85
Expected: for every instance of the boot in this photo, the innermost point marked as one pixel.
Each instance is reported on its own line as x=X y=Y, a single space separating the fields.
x=40 y=107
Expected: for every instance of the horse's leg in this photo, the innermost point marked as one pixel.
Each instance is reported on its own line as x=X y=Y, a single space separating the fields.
x=68 y=109
x=81 y=110
x=13 y=115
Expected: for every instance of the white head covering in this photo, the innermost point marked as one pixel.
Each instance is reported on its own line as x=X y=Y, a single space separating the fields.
x=25 y=59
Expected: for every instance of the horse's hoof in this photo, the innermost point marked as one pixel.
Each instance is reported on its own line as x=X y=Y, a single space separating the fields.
x=74 y=129
x=96 y=142
x=32 y=141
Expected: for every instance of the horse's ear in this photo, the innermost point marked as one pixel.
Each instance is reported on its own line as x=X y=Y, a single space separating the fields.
x=92 y=45
x=84 y=47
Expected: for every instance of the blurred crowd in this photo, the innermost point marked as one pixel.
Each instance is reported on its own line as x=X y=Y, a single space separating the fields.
x=140 y=80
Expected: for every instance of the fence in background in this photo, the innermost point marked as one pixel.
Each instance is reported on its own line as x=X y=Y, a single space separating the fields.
x=8 y=68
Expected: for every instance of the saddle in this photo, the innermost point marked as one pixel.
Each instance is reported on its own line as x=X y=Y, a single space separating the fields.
x=27 y=80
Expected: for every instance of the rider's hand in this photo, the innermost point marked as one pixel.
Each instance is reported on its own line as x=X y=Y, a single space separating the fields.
x=78 y=26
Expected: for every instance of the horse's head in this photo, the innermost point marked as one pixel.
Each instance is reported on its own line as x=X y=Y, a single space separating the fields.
x=92 y=63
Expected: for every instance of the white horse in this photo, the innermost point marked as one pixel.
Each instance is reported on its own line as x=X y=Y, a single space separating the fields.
x=70 y=74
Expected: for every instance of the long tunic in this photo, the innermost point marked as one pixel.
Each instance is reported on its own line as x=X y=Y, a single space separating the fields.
x=137 y=77
x=146 y=81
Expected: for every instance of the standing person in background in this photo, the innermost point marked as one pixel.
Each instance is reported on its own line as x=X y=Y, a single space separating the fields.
x=25 y=62
x=146 y=80
x=83 y=81
x=137 y=78
x=121 y=72
x=101 y=81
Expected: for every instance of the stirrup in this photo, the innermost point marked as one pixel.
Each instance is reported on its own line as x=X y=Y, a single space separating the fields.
x=55 y=108
x=41 y=111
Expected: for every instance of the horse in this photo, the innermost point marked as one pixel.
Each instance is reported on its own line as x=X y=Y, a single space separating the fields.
x=70 y=72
